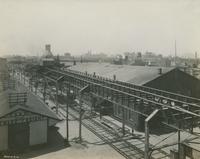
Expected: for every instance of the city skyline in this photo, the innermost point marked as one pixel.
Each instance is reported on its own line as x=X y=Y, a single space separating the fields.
x=111 y=27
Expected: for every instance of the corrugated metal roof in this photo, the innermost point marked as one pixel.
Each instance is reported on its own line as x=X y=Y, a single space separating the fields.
x=138 y=75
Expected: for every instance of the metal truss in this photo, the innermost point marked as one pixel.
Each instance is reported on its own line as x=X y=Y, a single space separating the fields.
x=174 y=110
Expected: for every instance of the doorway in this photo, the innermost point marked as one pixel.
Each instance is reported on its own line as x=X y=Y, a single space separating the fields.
x=18 y=136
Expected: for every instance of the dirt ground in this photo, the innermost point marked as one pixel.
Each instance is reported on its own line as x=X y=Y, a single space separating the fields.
x=91 y=148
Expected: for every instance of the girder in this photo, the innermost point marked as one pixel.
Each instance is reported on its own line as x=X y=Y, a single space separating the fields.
x=177 y=99
x=142 y=94
x=174 y=109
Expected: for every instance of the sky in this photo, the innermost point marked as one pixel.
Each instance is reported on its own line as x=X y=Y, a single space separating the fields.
x=108 y=26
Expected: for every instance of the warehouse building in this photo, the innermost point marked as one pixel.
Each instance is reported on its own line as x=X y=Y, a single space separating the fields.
x=162 y=78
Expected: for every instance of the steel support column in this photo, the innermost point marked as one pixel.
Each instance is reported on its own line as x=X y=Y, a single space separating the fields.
x=100 y=112
x=57 y=98
x=147 y=120
x=24 y=78
x=44 y=90
x=179 y=141
x=123 y=121
x=67 y=119
x=36 y=86
x=68 y=102
x=80 y=119
x=81 y=111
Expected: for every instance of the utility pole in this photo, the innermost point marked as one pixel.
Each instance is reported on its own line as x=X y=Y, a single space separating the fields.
x=44 y=90
x=123 y=121
x=80 y=119
x=196 y=59
x=57 y=98
x=81 y=111
x=147 y=120
x=24 y=77
x=175 y=60
x=179 y=139
x=36 y=86
x=67 y=119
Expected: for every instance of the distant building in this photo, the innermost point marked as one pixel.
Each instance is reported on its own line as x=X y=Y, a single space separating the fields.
x=162 y=78
x=139 y=61
x=67 y=55
x=47 y=62
x=3 y=65
x=130 y=57
x=48 y=53
x=47 y=59
x=118 y=60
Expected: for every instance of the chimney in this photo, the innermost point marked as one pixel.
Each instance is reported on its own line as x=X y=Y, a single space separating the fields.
x=196 y=58
x=114 y=77
x=160 y=71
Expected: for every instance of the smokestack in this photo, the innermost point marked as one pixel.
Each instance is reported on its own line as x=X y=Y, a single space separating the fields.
x=160 y=71
x=196 y=55
x=196 y=58
x=114 y=77
x=175 y=55
x=74 y=63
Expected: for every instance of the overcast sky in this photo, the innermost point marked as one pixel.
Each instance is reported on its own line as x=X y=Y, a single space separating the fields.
x=109 y=26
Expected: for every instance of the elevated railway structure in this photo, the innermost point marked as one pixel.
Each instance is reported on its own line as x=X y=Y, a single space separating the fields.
x=130 y=146
x=173 y=110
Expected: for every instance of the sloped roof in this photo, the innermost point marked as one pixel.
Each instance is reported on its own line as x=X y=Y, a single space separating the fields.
x=4 y=107
x=34 y=105
x=38 y=106
x=138 y=75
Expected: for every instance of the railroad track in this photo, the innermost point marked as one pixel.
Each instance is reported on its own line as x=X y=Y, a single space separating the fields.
x=129 y=146
x=172 y=105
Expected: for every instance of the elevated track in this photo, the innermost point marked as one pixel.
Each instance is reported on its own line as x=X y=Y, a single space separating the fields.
x=175 y=108
x=176 y=111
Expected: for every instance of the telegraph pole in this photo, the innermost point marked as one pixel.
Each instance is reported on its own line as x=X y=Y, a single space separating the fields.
x=175 y=55
x=80 y=119
x=57 y=105
x=179 y=139
x=81 y=111
x=68 y=101
x=67 y=120
x=67 y=124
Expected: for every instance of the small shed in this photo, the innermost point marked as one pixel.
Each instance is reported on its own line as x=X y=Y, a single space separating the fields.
x=24 y=120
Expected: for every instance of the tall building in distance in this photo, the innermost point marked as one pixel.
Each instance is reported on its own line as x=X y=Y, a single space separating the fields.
x=48 y=52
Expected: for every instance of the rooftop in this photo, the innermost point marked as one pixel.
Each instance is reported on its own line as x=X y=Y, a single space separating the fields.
x=33 y=104
x=133 y=74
